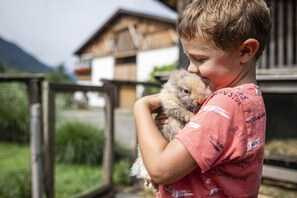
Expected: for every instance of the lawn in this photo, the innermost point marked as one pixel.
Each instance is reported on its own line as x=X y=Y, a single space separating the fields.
x=70 y=180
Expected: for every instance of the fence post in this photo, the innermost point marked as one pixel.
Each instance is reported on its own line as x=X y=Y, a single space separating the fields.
x=49 y=138
x=35 y=138
x=109 y=135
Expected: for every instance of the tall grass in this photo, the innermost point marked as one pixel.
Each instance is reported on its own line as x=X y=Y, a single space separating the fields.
x=14 y=113
x=79 y=143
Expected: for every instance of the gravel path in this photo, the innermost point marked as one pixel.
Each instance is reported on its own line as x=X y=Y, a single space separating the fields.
x=123 y=122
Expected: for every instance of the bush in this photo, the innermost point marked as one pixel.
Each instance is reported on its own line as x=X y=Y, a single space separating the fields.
x=82 y=143
x=152 y=90
x=79 y=143
x=121 y=175
x=14 y=113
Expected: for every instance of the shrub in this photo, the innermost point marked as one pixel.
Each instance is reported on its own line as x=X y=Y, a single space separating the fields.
x=152 y=89
x=121 y=172
x=82 y=143
x=14 y=113
x=79 y=143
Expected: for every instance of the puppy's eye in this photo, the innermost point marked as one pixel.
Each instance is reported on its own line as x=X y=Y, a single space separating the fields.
x=186 y=91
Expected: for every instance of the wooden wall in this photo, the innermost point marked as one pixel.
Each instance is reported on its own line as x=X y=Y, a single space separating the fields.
x=130 y=33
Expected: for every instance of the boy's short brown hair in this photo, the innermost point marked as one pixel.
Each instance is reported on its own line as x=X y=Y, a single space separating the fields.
x=227 y=23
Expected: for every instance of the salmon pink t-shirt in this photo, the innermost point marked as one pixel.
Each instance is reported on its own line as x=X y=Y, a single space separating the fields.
x=226 y=139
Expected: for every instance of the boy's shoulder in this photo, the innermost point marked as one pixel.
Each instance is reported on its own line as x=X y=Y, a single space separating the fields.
x=236 y=96
x=241 y=91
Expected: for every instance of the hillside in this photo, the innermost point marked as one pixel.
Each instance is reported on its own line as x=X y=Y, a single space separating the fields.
x=17 y=58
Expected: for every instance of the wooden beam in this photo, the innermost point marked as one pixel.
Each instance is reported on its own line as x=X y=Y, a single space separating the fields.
x=280 y=174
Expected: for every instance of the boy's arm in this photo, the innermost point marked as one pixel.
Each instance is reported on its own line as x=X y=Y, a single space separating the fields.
x=165 y=162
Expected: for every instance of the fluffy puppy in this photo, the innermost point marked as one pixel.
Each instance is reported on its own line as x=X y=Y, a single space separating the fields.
x=181 y=97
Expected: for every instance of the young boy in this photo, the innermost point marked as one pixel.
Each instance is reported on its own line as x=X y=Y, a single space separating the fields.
x=219 y=153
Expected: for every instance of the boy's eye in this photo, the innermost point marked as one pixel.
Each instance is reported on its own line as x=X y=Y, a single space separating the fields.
x=200 y=60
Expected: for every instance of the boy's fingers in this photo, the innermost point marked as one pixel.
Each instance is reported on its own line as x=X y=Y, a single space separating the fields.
x=161 y=120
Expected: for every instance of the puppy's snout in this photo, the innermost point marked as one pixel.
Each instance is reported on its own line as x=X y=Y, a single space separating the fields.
x=194 y=107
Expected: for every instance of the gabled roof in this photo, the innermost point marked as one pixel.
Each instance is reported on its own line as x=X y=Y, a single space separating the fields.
x=118 y=14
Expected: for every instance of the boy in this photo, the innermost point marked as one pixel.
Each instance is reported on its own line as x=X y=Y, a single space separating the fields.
x=219 y=153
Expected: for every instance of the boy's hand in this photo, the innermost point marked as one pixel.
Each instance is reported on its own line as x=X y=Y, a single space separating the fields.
x=152 y=102
x=161 y=120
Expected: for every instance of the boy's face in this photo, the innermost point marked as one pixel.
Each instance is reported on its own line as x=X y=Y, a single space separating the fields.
x=217 y=68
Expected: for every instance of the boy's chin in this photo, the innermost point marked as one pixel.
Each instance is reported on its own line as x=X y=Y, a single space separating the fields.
x=205 y=81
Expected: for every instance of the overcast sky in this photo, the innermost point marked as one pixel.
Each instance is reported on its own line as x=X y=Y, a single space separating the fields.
x=52 y=30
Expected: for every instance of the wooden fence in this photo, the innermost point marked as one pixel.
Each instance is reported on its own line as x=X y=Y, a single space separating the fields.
x=50 y=90
x=33 y=83
x=42 y=132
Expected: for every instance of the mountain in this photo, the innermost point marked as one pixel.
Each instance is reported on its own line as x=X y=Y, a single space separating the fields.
x=17 y=58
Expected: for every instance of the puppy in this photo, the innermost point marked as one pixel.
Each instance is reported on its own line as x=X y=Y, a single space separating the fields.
x=181 y=97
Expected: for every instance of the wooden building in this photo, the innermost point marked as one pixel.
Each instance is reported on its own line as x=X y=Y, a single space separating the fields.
x=127 y=48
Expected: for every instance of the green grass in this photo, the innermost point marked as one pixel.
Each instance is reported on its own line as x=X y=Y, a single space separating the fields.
x=70 y=180
x=75 y=179
x=14 y=156
x=15 y=170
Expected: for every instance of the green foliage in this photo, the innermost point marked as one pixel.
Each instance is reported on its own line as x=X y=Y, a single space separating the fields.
x=164 y=68
x=56 y=76
x=81 y=143
x=121 y=172
x=78 y=142
x=13 y=113
x=19 y=185
x=6 y=69
x=72 y=179
x=15 y=177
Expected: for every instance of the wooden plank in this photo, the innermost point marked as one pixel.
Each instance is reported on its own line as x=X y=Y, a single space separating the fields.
x=278 y=173
x=34 y=89
x=62 y=87
x=20 y=77
x=125 y=71
x=290 y=33
x=294 y=6
x=109 y=137
x=277 y=83
x=49 y=139
x=272 y=43
x=104 y=191
x=280 y=39
x=36 y=151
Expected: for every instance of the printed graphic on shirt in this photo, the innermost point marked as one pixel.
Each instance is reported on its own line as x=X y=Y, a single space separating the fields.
x=194 y=125
x=214 y=191
x=240 y=164
x=240 y=134
x=221 y=173
x=237 y=97
x=258 y=91
x=178 y=193
x=216 y=144
x=217 y=110
x=256 y=118
x=251 y=145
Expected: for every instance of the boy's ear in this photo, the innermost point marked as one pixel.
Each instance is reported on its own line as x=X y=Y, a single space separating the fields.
x=248 y=50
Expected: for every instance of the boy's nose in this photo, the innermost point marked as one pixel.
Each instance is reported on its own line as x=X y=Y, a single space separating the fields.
x=193 y=69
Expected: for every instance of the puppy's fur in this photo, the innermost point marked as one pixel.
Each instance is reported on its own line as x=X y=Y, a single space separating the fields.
x=181 y=98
